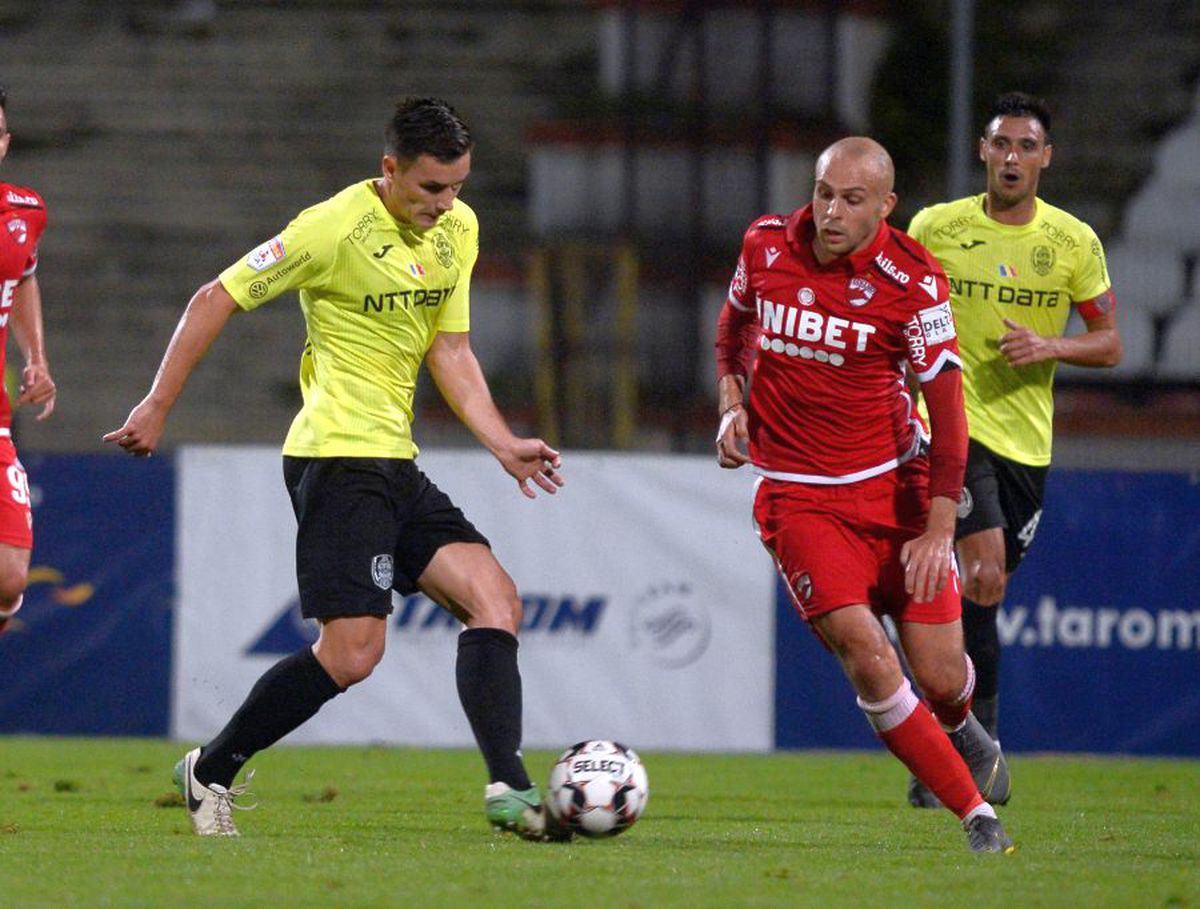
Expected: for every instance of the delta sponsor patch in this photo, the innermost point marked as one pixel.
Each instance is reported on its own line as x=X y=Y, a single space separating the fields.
x=268 y=254
x=937 y=323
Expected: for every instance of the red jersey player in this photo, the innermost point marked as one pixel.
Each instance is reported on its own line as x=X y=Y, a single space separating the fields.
x=856 y=505
x=23 y=215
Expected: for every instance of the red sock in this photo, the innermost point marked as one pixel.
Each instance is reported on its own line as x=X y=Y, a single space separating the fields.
x=923 y=747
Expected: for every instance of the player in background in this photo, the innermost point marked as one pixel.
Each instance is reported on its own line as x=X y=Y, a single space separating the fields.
x=383 y=270
x=855 y=507
x=1016 y=267
x=24 y=216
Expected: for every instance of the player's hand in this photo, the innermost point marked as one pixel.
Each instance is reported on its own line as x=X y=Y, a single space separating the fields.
x=732 y=437
x=533 y=459
x=927 y=561
x=142 y=429
x=1022 y=346
x=37 y=387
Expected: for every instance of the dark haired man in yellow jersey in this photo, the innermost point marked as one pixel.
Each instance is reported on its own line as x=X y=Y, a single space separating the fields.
x=1016 y=267
x=383 y=271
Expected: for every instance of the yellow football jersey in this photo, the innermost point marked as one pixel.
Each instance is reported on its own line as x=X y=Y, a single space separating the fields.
x=1032 y=274
x=374 y=293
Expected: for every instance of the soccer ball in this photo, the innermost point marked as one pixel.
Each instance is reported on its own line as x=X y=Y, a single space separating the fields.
x=598 y=788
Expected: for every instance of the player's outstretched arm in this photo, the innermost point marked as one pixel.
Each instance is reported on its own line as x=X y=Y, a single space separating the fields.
x=459 y=378
x=205 y=317
x=37 y=385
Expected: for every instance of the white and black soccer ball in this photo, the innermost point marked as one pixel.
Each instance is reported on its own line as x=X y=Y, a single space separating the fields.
x=598 y=788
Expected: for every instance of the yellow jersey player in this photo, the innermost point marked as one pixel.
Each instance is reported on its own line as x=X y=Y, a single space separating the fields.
x=383 y=271
x=1016 y=267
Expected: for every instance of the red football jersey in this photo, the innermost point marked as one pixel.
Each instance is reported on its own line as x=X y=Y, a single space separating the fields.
x=23 y=214
x=828 y=401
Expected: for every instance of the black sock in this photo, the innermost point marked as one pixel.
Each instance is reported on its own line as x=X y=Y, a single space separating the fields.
x=489 y=687
x=982 y=641
x=284 y=697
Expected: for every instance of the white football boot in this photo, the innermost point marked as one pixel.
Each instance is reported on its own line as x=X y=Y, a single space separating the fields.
x=209 y=807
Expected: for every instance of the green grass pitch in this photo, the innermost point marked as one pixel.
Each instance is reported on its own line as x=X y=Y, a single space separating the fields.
x=94 y=822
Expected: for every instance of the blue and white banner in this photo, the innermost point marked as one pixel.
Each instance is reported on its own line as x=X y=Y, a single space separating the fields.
x=647 y=603
x=161 y=589
x=90 y=650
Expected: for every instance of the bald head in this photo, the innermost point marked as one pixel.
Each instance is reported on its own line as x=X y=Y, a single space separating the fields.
x=864 y=155
x=851 y=195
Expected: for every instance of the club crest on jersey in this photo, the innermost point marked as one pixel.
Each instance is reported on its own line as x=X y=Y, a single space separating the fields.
x=382 y=571
x=270 y=253
x=19 y=230
x=865 y=290
x=1043 y=260
x=806 y=296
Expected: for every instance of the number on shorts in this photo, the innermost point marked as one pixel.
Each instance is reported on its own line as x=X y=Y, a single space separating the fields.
x=19 y=483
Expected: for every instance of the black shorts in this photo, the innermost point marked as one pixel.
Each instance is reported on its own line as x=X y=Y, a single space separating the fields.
x=367 y=526
x=1000 y=492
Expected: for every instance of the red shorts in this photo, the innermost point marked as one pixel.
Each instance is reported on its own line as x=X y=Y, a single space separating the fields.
x=840 y=545
x=16 y=517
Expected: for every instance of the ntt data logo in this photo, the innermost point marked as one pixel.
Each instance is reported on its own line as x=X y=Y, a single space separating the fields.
x=1051 y=625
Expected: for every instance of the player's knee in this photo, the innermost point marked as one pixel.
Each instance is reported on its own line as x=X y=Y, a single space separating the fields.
x=350 y=665
x=872 y=670
x=986 y=583
x=943 y=683
x=495 y=603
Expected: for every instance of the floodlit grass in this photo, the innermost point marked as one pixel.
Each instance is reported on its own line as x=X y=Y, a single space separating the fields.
x=94 y=822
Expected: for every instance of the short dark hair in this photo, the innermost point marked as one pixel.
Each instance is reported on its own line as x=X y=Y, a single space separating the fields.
x=3 y=98
x=426 y=126
x=1019 y=104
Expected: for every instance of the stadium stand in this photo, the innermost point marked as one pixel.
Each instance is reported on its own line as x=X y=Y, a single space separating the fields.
x=166 y=146
x=164 y=154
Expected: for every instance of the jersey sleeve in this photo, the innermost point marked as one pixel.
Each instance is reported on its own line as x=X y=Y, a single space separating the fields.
x=918 y=227
x=929 y=332
x=456 y=312
x=297 y=257
x=35 y=220
x=737 y=328
x=1090 y=277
